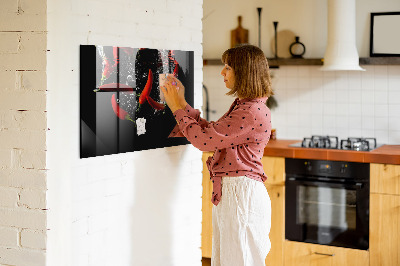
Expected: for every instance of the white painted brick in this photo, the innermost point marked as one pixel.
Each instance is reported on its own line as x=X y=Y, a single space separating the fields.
x=10 y=42
x=31 y=80
x=8 y=237
x=17 y=256
x=7 y=80
x=35 y=120
x=33 y=199
x=5 y=158
x=23 y=100
x=33 y=7
x=22 y=218
x=15 y=139
x=23 y=178
x=8 y=197
x=33 y=159
x=31 y=56
x=33 y=239
x=13 y=21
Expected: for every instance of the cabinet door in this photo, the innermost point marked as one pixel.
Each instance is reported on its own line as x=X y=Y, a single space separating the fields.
x=277 y=233
x=384 y=230
x=304 y=254
x=385 y=178
x=206 y=232
x=274 y=168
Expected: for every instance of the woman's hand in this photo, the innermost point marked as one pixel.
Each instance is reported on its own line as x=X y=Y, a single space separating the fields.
x=174 y=93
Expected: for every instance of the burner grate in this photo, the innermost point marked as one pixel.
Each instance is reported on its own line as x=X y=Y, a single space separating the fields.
x=327 y=142
x=358 y=144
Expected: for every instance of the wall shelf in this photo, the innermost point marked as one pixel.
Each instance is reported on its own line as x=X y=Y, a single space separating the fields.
x=380 y=61
x=274 y=63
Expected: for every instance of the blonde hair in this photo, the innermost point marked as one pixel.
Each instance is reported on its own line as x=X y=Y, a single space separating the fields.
x=250 y=66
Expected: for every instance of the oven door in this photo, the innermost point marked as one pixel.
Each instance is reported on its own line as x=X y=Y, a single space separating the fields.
x=327 y=213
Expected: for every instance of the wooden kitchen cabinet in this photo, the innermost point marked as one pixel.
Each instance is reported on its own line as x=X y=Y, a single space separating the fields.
x=274 y=168
x=277 y=233
x=385 y=215
x=384 y=236
x=206 y=225
x=305 y=254
x=385 y=178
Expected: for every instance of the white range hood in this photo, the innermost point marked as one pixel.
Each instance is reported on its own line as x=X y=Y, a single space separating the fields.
x=341 y=51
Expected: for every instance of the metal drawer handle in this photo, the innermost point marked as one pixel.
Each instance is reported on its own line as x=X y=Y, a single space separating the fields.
x=324 y=254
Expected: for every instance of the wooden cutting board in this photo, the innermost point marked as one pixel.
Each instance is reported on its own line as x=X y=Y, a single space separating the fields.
x=239 y=35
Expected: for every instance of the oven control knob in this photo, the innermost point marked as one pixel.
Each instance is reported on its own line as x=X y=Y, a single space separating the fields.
x=343 y=168
x=308 y=166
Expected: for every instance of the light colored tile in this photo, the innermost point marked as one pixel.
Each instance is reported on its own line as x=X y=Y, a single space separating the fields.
x=382 y=136
x=367 y=96
x=355 y=96
x=367 y=122
x=355 y=122
x=382 y=110
x=394 y=137
x=355 y=132
x=381 y=84
x=394 y=123
x=291 y=71
x=380 y=71
x=292 y=83
x=394 y=97
x=342 y=96
x=355 y=109
x=342 y=122
x=368 y=110
x=381 y=97
x=394 y=83
x=304 y=72
x=381 y=123
x=329 y=109
x=394 y=110
x=342 y=109
x=303 y=82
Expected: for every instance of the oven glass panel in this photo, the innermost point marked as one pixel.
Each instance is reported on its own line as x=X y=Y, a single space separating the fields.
x=326 y=207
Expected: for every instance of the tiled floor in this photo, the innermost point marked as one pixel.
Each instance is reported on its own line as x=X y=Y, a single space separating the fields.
x=206 y=261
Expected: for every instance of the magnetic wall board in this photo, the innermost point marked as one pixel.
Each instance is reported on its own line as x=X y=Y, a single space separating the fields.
x=121 y=105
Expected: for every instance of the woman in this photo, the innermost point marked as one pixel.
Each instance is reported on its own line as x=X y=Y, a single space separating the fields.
x=242 y=208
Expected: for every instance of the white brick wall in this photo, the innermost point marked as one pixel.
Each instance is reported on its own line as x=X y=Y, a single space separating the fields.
x=23 y=132
x=140 y=208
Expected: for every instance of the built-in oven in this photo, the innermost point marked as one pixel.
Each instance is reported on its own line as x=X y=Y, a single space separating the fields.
x=327 y=202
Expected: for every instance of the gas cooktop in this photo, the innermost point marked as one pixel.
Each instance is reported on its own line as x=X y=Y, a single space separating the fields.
x=332 y=142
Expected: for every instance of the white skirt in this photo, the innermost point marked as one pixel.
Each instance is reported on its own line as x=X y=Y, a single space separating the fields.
x=241 y=223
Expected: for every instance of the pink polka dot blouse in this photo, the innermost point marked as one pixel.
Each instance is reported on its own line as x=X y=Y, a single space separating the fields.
x=238 y=139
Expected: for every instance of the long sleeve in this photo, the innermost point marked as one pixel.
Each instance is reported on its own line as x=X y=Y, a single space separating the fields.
x=195 y=114
x=229 y=131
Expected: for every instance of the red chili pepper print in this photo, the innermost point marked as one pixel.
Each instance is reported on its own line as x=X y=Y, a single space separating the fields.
x=107 y=70
x=176 y=69
x=147 y=88
x=116 y=59
x=154 y=104
x=121 y=113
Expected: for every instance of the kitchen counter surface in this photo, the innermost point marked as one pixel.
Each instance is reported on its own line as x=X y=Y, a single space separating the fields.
x=389 y=154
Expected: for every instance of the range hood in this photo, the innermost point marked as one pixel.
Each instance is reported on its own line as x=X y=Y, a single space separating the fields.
x=341 y=51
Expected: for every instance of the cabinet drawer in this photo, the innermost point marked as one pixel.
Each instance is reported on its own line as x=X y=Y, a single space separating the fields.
x=297 y=254
x=385 y=178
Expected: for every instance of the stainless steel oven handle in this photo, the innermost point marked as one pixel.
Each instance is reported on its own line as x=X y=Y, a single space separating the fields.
x=324 y=254
x=313 y=182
